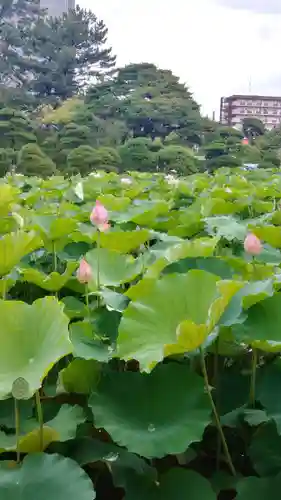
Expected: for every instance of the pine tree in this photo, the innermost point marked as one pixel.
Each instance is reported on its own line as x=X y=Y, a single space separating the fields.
x=16 y=19
x=69 y=51
x=151 y=101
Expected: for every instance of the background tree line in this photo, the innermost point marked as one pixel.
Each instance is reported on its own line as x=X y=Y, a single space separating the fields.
x=65 y=106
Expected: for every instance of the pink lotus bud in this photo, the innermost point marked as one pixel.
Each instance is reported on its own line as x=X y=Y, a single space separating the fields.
x=252 y=244
x=84 y=272
x=99 y=216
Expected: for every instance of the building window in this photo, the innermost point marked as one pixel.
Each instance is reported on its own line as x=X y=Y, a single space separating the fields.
x=265 y=111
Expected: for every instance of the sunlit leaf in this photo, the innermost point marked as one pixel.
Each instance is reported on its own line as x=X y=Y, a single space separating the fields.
x=14 y=246
x=33 y=338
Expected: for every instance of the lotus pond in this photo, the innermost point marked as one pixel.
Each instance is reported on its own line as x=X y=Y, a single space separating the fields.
x=155 y=375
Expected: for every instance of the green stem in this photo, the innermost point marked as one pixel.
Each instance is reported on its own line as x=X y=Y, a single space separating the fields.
x=216 y=385
x=55 y=258
x=252 y=398
x=216 y=416
x=87 y=301
x=40 y=418
x=17 y=427
x=98 y=267
x=4 y=290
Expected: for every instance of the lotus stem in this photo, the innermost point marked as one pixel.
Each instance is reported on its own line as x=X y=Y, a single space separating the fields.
x=252 y=397
x=55 y=258
x=87 y=300
x=98 y=267
x=216 y=416
x=216 y=385
x=40 y=419
x=17 y=427
x=4 y=288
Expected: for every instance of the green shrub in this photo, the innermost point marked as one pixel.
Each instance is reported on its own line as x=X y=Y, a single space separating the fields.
x=176 y=158
x=33 y=161
x=223 y=161
x=7 y=159
x=83 y=159
x=15 y=129
x=271 y=157
x=136 y=155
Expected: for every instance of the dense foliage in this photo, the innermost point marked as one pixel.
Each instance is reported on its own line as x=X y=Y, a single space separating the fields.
x=140 y=337
x=156 y=367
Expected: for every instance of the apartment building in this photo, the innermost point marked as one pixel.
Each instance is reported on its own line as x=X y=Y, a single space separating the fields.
x=57 y=7
x=235 y=108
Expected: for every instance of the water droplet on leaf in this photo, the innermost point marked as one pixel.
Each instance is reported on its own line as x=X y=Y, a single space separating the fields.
x=111 y=457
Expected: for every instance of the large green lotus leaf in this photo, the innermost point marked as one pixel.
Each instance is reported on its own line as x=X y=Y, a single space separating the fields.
x=200 y=247
x=263 y=321
x=217 y=206
x=124 y=241
x=114 y=268
x=258 y=488
x=46 y=476
x=14 y=246
x=178 y=311
x=269 y=391
x=265 y=450
x=52 y=282
x=269 y=234
x=7 y=198
x=176 y=484
x=33 y=338
x=177 y=413
x=144 y=213
x=87 y=344
x=54 y=228
x=114 y=203
x=226 y=227
x=81 y=376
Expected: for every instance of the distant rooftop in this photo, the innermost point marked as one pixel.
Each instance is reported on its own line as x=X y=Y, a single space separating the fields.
x=253 y=97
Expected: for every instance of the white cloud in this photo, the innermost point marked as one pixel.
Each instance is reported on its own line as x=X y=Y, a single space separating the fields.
x=212 y=47
x=263 y=6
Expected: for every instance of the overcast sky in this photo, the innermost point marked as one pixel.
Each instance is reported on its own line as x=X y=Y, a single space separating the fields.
x=216 y=46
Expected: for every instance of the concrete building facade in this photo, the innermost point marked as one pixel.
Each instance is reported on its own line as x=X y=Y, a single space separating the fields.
x=57 y=7
x=235 y=108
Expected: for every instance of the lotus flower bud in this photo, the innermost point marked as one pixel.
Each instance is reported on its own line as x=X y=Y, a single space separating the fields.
x=99 y=216
x=252 y=244
x=84 y=272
